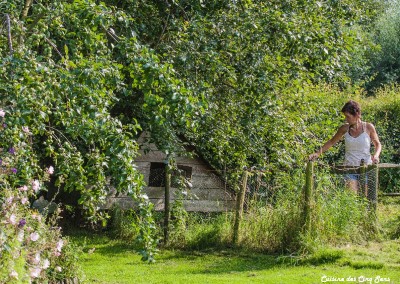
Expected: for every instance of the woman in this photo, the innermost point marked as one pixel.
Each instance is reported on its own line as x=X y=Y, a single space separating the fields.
x=358 y=136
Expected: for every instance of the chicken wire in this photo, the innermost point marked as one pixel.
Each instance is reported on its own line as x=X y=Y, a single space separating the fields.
x=189 y=184
x=365 y=177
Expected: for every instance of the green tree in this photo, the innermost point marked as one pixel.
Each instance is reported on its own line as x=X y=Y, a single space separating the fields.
x=384 y=62
x=250 y=62
x=64 y=68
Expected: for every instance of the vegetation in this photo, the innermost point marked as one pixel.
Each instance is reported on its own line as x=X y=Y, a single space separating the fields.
x=32 y=248
x=107 y=260
x=248 y=83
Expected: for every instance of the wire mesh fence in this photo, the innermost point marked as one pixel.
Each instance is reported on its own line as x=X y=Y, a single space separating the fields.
x=368 y=181
x=363 y=179
x=259 y=188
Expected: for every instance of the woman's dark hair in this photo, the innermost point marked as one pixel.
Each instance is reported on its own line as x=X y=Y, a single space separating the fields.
x=352 y=107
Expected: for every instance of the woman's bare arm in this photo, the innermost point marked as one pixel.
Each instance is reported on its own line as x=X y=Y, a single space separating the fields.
x=338 y=135
x=375 y=141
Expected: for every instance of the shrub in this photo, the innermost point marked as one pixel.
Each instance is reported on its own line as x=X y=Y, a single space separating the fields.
x=31 y=245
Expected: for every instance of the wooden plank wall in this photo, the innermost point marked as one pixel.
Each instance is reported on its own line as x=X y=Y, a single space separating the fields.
x=208 y=193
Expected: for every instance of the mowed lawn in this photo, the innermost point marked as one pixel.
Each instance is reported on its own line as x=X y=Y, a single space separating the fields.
x=108 y=261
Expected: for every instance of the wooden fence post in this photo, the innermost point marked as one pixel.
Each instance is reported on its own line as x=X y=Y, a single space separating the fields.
x=166 y=202
x=239 y=207
x=308 y=192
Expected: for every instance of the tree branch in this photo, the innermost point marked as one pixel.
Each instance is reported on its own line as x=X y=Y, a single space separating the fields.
x=9 y=34
x=54 y=47
x=27 y=6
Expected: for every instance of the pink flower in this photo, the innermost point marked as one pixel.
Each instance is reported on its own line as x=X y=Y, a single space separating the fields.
x=36 y=260
x=50 y=170
x=24 y=200
x=60 y=244
x=20 y=236
x=26 y=129
x=34 y=236
x=35 y=272
x=12 y=219
x=2 y=113
x=23 y=188
x=46 y=264
x=35 y=185
x=37 y=217
x=14 y=274
x=10 y=200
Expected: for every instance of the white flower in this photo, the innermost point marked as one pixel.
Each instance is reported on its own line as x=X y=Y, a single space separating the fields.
x=34 y=236
x=60 y=244
x=14 y=274
x=35 y=272
x=46 y=264
x=35 y=185
x=50 y=170
x=58 y=268
x=2 y=113
x=144 y=196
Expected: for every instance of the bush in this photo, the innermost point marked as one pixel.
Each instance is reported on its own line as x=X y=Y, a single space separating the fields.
x=31 y=245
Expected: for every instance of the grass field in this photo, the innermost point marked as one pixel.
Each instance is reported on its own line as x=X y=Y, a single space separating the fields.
x=110 y=261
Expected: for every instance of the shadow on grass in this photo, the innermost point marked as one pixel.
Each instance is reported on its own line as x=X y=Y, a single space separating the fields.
x=100 y=242
x=220 y=261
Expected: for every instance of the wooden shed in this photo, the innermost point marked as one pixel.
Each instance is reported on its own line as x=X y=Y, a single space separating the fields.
x=206 y=191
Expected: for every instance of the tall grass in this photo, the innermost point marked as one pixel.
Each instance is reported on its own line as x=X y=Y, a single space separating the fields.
x=274 y=225
x=338 y=214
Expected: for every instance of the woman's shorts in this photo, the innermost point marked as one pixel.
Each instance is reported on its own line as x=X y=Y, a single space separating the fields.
x=356 y=177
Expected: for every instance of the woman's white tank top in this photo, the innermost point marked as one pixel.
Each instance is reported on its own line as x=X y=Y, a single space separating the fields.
x=357 y=148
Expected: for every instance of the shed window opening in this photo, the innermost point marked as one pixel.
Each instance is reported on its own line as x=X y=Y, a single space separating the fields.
x=157 y=175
